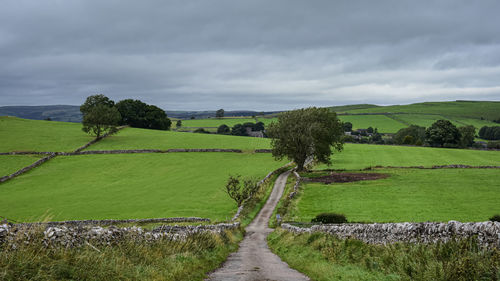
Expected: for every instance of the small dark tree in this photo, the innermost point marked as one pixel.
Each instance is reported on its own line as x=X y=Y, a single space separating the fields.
x=178 y=124
x=99 y=115
x=416 y=132
x=239 y=130
x=259 y=126
x=201 y=131
x=219 y=113
x=303 y=133
x=240 y=189
x=192 y=117
x=223 y=130
x=443 y=134
x=468 y=133
x=347 y=126
x=369 y=130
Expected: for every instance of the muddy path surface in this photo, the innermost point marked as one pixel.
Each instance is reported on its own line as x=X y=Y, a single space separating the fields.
x=254 y=260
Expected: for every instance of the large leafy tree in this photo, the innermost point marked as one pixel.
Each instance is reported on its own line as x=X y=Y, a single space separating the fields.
x=99 y=115
x=311 y=132
x=141 y=115
x=443 y=134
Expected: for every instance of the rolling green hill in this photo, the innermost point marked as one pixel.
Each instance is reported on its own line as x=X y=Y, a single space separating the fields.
x=37 y=135
x=489 y=110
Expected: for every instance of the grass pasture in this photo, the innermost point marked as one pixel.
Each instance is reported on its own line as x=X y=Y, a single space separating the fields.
x=133 y=138
x=215 y=122
x=464 y=109
x=11 y=163
x=124 y=186
x=407 y=195
x=383 y=123
x=37 y=135
x=360 y=156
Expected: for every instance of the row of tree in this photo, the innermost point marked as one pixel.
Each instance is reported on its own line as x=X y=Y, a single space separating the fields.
x=101 y=115
x=240 y=129
x=490 y=133
x=441 y=133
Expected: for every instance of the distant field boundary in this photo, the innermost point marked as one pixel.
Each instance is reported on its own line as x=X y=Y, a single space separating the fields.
x=131 y=151
x=27 y=168
x=451 y=166
x=111 y=222
x=47 y=158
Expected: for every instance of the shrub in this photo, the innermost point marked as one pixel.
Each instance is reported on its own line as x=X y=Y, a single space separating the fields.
x=201 y=131
x=330 y=218
x=495 y=218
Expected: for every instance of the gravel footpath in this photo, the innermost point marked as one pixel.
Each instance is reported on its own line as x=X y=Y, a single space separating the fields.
x=254 y=260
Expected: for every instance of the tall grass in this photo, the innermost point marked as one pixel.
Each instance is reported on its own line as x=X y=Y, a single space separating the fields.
x=165 y=259
x=324 y=257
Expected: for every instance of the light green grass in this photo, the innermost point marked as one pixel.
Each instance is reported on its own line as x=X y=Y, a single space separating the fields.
x=215 y=122
x=187 y=259
x=324 y=257
x=426 y=120
x=11 y=163
x=383 y=123
x=473 y=109
x=124 y=186
x=359 y=156
x=412 y=195
x=36 y=135
x=132 y=138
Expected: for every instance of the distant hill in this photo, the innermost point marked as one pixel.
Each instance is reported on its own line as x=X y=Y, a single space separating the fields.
x=71 y=113
x=209 y=114
x=67 y=113
x=488 y=110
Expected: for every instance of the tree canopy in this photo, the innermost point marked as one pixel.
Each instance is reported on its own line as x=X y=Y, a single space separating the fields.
x=410 y=135
x=141 y=115
x=303 y=133
x=99 y=115
x=219 y=113
x=443 y=134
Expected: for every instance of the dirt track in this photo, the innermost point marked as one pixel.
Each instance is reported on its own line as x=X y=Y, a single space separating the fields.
x=254 y=260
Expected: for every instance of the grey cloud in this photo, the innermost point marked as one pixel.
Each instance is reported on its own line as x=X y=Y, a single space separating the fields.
x=262 y=55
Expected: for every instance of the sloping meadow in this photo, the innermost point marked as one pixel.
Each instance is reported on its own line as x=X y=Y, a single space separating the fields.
x=124 y=186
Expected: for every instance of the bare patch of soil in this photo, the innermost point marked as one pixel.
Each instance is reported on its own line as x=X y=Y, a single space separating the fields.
x=347 y=177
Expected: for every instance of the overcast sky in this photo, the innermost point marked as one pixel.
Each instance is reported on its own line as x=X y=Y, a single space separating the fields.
x=257 y=55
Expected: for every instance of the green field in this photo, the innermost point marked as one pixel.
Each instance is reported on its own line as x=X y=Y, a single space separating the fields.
x=426 y=120
x=36 y=135
x=133 y=138
x=471 y=109
x=412 y=195
x=359 y=156
x=215 y=122
x=383 y=123
x=130 y=186
x=11 y=163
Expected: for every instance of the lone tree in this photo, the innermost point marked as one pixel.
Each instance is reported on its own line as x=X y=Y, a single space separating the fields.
x=303 y=133
x=178 y=124
x=443 y=134
x=99 y=116
x=219 y=113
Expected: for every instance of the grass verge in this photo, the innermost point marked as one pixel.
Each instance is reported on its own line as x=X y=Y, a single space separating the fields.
x=324 y=257
x=161 y=260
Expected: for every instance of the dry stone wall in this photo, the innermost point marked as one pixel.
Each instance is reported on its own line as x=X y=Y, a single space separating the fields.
x=75 y=236
x=79 y=223
x=26 y=169
x=488 y=233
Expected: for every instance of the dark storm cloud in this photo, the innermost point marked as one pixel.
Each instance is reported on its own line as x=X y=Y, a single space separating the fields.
x=249 y=54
